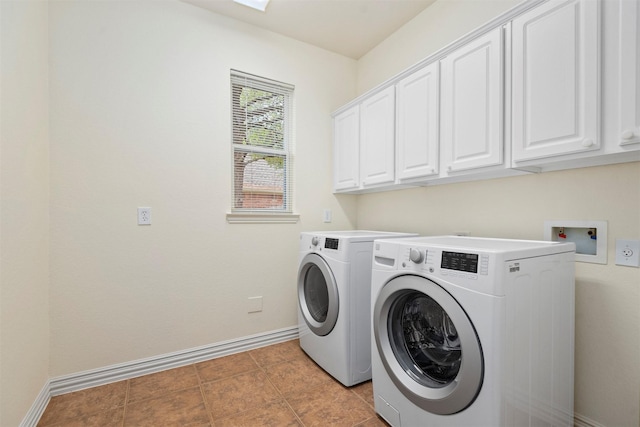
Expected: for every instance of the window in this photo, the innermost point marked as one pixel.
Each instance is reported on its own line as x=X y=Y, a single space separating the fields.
x=262 y=134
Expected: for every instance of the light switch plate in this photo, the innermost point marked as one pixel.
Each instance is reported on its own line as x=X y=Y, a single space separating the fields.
x=326 y=215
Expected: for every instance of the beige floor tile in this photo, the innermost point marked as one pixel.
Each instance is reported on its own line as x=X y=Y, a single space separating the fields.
x=111 y=418
x=275 y=414
x=376 y=421
x=238 y=394
x=277 y=353
x=296 y=376
x=160 y=383
x=84 y=403
x=330 y=404
x=365 y=391
x=181 y=408
x=272 y=386
x=223 y=367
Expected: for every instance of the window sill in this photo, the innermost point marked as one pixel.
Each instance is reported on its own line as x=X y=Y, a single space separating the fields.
x=262 y=218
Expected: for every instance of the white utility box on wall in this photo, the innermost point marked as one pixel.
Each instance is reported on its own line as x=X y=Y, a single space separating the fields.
x=590 y=238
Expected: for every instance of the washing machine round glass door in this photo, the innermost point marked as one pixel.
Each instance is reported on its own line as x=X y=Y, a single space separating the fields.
x=428 y=345
x=317 y=294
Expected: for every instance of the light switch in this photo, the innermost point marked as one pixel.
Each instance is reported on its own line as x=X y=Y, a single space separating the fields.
x=326 y=215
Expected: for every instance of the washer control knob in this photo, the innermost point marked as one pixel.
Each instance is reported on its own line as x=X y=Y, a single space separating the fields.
x=416 y=256
x=314 y=241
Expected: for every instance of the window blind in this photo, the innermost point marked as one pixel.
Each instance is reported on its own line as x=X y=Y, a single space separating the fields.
x=262 y=144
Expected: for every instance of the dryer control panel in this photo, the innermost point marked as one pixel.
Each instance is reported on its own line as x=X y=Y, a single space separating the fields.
x=319 y=243
x=331 y=243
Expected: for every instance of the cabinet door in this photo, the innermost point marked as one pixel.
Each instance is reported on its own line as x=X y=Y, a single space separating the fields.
x=629 y=86
x=346 y=137
x=377 y=138
x=472 y=104
x=555 y=104
x=417 y=123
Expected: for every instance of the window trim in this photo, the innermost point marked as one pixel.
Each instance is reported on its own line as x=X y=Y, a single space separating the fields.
x=262 y=218
x=266 y=215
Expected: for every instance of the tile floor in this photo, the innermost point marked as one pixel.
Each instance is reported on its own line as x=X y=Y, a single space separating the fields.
x=276 y=386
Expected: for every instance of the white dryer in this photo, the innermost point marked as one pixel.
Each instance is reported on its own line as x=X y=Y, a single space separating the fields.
x=473 y=332
x=334 y=301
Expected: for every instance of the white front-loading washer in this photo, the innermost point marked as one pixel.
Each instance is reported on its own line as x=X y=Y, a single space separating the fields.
x=473 y=332
x=334 y=300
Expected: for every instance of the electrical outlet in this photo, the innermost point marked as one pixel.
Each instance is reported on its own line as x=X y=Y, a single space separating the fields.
x=254 y=304
x=144 y=216
x=628 y=252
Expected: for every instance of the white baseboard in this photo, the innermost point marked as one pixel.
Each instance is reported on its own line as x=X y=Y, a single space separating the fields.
x=123 y=371
x=38 y=407
x=101 y=376
x=582 y=421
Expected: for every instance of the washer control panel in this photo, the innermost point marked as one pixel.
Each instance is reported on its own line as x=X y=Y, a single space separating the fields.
x=446 y=263
x=460 y=261
x=487 y=266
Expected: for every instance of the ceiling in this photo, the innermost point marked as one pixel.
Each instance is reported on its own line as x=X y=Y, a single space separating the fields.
x=348 y=27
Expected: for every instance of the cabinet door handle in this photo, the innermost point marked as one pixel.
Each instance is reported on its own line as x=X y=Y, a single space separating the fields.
x=627 y=134
x=587 y=143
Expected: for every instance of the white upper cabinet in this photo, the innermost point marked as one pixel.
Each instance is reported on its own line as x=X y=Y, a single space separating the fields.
x=417 y=124
x=628 y=36
x=346 y=149
x=555 y=99
x=549 y=85
x=377 y=138
x=472 y=104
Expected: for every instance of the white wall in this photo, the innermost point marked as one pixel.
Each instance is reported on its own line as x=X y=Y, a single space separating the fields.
x=24 y=198
x=607 y=371
x=140 y=100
